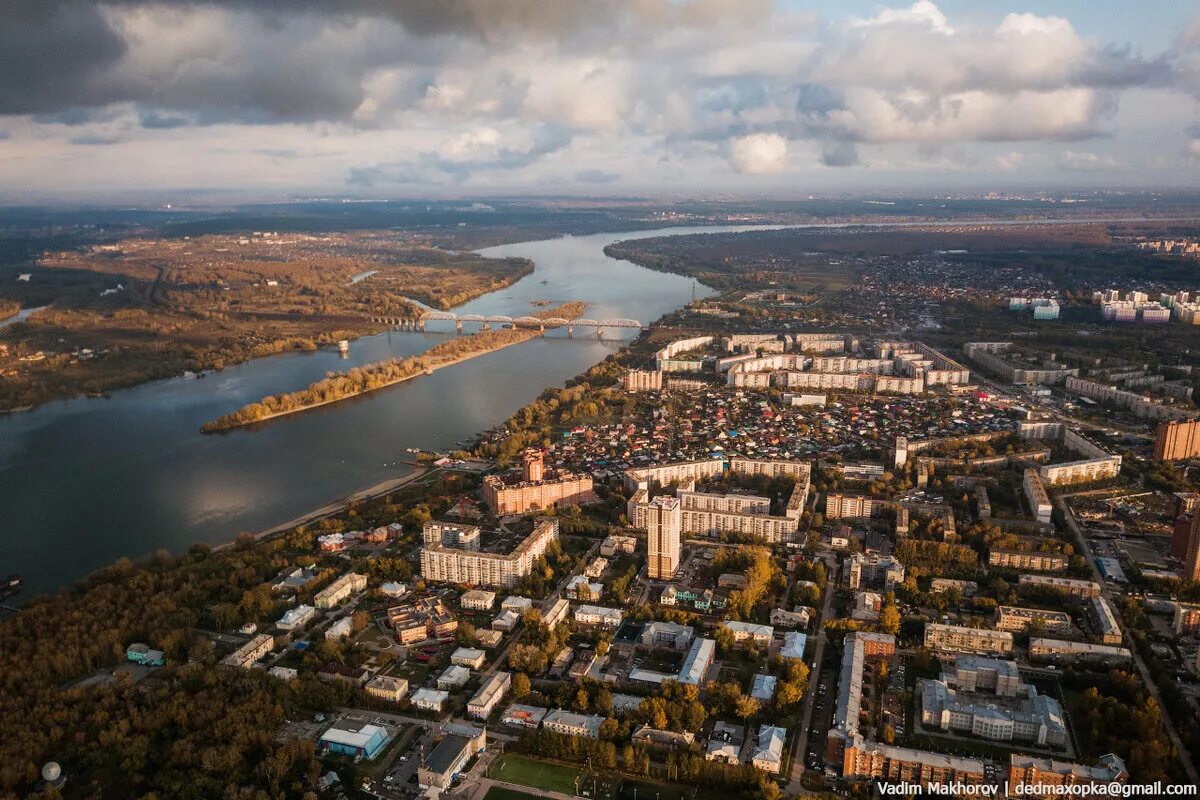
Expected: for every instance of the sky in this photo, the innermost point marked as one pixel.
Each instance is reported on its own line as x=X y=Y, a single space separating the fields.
x=279 y=99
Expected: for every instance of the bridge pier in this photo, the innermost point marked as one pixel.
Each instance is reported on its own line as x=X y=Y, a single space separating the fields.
x=458 y=326
x=599 y=332
x=421 y=325
x=486 y=327
x=570 y=331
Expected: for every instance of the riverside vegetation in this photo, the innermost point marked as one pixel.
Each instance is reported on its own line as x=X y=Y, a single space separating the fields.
x=343 y=385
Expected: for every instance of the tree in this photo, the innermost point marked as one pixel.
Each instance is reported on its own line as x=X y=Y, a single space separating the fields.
x=521 y=686
x=889 y=619
x=747 y=707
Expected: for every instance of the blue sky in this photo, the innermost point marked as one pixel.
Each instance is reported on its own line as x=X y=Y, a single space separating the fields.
x=274 y=99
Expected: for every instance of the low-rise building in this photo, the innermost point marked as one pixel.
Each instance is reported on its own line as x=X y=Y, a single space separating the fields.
x=447 y=760
x=506 y=621
x=468 y=657
x=141 y=653
x=598 y=615
x=251 y=651
x=430 y=699
x=613 y=545
x=698 y=661
x=295 y=618
x=477 y=600
x=797 y=618
x=489 y=695
x=657 y=739
x=387 y=687
x=366 y=742
x=794 y=643
x=516 y=604
x=725 y=743
x=520 y=716
x=555 y=613
x=768 y=750
x=586 y=726
x=453 y=677
x=749 y=632
x=668 y=634
x=340 y=629
x=965 y=588
x=763 y=688
x=340 y=590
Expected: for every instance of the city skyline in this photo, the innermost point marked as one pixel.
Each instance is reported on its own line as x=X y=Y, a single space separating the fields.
x=162 y=100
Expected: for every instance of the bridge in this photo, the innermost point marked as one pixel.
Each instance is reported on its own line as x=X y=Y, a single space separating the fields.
x=418 y=323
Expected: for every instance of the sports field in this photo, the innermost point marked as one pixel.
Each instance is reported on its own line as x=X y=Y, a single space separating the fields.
x=502 y=793
x=513 y=768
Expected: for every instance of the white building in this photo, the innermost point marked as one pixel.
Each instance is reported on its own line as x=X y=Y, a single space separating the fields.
x=489 y=695
x=430 y=699
x=295 y=618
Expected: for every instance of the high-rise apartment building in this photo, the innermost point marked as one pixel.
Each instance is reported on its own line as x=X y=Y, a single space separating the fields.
x=1191 y=556
x=663 y=527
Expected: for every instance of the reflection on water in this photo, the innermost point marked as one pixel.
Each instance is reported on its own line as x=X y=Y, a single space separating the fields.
x=86 y=481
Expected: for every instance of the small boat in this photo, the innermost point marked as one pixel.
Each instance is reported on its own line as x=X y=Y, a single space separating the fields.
x=10 y=586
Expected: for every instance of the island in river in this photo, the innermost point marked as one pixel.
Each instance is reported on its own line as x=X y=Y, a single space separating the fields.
x=360 y=380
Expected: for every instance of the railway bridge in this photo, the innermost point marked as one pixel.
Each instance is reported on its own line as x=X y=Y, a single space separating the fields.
x=540 y=323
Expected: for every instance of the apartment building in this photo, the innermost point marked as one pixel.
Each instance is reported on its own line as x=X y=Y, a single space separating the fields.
x=1068 y=652
x=854 y=506
x=873 y=570
x=477 y=600
x=340 y=590
x=698 y=661
x=1028 y=560
x=1037 y=496
x=958 y=639
x=1186 y=620
x=668 y=634
x=489 y=695
x=768 y=749
x=1070 y=586
x=859 y=649
x=506 y=496
x=556 y=613
x=642 y=380
x=663 y=527
x=1103 y=620
x=1016 y=619
x=251 y=651
x=1033 y=772
x=447 y=562
x=862 y=759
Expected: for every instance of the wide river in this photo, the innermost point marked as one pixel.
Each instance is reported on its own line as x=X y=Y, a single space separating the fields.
x=86 y=481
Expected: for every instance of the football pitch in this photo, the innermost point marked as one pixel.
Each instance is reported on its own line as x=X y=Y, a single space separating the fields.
x=513 y=768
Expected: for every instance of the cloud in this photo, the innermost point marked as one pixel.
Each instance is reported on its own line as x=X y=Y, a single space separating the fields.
x=759 y=153
x=596 y=176
x=1088 y=161
x=451 y=92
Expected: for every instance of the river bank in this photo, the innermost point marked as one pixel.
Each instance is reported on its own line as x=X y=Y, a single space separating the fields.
x=372 y=377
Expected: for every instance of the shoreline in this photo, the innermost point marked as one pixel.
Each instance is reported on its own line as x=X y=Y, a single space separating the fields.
x=336 y=507
x=389 y=384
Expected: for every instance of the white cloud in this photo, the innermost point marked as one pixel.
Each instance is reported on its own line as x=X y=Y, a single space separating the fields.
x=759 y=153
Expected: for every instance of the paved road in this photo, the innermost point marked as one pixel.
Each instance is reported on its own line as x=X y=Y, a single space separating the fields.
x=1184 y=756
x=800 y=743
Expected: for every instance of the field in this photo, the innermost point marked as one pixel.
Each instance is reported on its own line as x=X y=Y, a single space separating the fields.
x=502 y=793
x=513 y=768
x=644 y=790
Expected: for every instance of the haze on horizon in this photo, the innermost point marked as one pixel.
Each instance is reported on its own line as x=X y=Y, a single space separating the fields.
x=267 y=99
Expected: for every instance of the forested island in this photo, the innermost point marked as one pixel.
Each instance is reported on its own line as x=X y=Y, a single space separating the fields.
x=343 y=385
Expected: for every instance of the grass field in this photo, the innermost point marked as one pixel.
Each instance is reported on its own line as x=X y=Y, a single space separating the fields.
x=513 y=768
x=645 y=790
x=502 y=793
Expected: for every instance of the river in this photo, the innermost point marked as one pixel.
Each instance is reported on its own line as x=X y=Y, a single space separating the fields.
x=86 y=481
